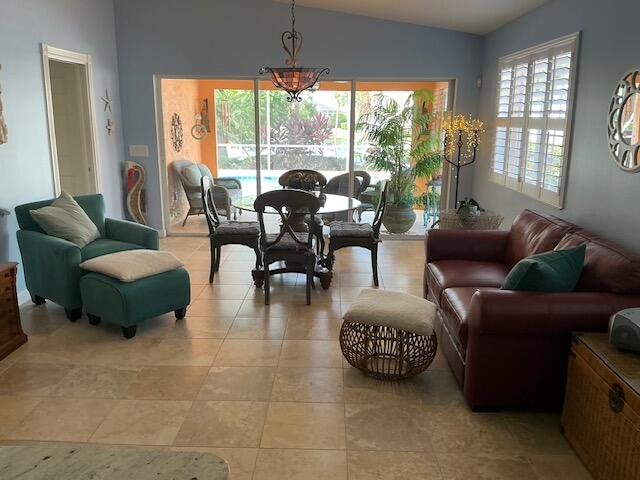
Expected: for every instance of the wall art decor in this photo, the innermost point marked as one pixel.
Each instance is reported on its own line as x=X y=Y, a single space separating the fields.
x=135 y=191
x=176 y=132
x=204 y=114
x=4 y=131
x=110 y=126
x=199 y=130
x=107 y=101
x=623 y=124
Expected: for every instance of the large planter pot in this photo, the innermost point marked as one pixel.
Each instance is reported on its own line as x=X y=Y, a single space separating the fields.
x=398 y=218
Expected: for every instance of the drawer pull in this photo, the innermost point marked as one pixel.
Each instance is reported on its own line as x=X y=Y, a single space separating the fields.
x=616 y=398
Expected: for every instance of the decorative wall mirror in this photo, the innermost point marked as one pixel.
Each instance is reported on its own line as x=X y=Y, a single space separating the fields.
x=624 y=123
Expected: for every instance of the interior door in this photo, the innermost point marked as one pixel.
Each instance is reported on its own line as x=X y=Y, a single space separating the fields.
x=69 y=95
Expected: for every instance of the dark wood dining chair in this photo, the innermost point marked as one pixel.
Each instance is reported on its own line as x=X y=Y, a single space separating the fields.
x=365 y=235
x=289 y=245
x=290 y=179
x=226 y=233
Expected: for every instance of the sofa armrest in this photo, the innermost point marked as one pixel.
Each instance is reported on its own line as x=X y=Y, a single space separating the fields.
x=51 y=267
x=130 y=232
x=506 y=312
x=481 y=245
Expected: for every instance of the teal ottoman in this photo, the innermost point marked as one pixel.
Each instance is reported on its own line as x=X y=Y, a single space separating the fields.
x=129 y=303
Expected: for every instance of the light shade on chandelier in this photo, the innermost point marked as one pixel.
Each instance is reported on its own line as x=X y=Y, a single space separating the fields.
x=293 y=79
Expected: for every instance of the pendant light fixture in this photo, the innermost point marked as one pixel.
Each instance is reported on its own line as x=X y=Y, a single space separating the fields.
x=293 y=79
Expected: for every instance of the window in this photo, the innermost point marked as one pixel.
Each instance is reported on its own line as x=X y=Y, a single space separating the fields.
x=533 y=119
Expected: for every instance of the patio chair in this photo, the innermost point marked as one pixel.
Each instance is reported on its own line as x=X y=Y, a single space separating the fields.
x=289 y=245
x=190 y=175
x=234 y=188
x=365 y=182
x=339 y=185
x=229 y=233
x=288 y=180
x=348 y=234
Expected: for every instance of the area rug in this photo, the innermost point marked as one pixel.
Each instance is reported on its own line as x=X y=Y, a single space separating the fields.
x=113 y=463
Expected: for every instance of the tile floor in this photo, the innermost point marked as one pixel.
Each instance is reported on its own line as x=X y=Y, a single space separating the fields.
x=265 y=387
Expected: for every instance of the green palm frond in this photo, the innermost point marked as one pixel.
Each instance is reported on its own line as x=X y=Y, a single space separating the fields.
x=403 y=142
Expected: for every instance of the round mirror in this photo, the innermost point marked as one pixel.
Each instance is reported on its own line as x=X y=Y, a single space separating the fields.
x=629 y=121
x=624 y=123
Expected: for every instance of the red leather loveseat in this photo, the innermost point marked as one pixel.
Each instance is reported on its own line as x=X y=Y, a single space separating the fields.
x=508 y=348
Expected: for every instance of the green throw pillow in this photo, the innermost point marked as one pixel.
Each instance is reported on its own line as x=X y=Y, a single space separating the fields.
x=555 y=271
x=64 y=218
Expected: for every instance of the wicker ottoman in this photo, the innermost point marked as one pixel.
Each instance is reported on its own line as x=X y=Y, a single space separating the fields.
x=389 y=335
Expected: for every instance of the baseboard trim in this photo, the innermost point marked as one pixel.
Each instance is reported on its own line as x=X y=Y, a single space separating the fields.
x=23 y=297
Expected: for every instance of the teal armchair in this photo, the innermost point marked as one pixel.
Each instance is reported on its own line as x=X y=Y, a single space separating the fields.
x=51 y=265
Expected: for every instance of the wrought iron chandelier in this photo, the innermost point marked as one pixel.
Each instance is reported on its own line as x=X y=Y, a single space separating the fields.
x=293 y=79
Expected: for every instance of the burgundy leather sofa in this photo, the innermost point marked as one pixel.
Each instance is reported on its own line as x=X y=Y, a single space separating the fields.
x=508 y=348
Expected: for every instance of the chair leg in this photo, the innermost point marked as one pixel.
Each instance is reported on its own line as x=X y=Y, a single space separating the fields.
x=374 y=263
x=185 y=218
x=218 y=255
x=310 y=267
x=212 y=268
x=320 y=238
x=180 y=313
x=267 y=287
x=258 y=256
x=129 y=332
x=37 y=299
x=73 y=314
x=330 y=258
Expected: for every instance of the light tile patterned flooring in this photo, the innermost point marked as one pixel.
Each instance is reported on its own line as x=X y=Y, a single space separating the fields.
x=265 y=387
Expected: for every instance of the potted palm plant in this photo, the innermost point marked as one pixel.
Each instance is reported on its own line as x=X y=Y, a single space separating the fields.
x=404 y=144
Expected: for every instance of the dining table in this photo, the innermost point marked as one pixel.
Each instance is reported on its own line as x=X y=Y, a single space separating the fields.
x=331 y=204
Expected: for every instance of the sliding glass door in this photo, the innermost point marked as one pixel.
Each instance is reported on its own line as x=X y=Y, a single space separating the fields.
x=310 y=134
x=254 y=134
x=434 y=98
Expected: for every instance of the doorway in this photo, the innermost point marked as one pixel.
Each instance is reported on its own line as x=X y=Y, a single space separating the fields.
x=252 y=134
x=71 y=121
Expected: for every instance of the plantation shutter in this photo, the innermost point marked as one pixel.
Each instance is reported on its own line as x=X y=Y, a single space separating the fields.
x=533 y=120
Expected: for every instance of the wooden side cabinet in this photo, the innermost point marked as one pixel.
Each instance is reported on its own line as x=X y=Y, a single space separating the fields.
x=601 y=414
x=11 y=334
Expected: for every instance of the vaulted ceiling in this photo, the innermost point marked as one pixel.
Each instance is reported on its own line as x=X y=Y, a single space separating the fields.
x=473 y=16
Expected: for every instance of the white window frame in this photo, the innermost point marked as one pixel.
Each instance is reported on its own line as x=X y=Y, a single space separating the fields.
x=545 y=124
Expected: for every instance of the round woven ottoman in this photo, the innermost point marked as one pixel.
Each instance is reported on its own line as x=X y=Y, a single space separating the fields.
x=389 y=335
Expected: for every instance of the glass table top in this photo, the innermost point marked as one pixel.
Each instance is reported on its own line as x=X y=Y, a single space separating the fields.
x=332 y=204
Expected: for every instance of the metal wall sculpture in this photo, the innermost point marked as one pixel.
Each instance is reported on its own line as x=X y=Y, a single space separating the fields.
x=135 y=191
x=176 y=132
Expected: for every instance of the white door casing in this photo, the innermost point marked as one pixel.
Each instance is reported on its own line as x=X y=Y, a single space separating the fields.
x=75 y=165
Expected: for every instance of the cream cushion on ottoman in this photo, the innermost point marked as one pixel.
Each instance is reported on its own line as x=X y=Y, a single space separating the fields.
x=384 y=308
x=132 y=265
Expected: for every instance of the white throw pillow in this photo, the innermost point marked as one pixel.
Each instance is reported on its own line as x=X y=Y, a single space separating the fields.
x=132 y=265
x=386 y=308
x=64 y=218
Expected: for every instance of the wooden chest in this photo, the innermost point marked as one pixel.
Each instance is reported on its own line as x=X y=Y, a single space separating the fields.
x=601 y=415
x=11 y=334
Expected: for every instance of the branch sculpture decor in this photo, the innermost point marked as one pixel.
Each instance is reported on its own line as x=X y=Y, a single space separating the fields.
x=461 y=140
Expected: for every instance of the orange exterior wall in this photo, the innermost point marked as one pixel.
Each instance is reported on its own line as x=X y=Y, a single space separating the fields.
x=184 y=97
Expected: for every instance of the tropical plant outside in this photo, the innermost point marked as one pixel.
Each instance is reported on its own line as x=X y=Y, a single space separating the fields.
x=403 y=142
